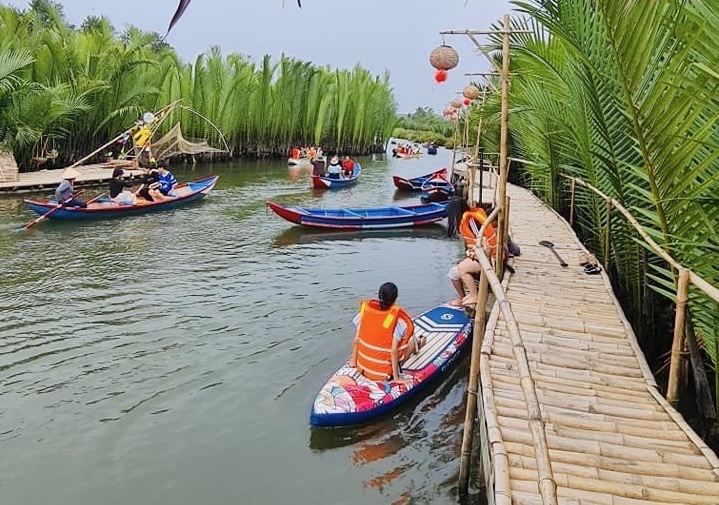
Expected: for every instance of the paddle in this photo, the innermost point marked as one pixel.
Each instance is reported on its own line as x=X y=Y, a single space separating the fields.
x=550 y=245
x=56 y=207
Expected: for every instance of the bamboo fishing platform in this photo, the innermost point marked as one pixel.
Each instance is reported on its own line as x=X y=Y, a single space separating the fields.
x=48 y=180
x=610 y=436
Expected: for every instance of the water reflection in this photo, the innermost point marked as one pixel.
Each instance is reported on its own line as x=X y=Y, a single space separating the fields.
x=305 y=235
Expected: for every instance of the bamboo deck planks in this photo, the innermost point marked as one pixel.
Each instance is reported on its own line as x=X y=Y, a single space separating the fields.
x=612 y=437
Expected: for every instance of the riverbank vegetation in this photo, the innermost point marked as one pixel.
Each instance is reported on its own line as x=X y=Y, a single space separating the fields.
x=623 y=96
x=424 y=125
x=70 y=89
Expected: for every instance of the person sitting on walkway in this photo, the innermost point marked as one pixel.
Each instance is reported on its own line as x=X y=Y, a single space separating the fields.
x=471 y=221
x=66 y=189
x=167 y=180
x=334 y=170
x=384 y=338
x=117 y=186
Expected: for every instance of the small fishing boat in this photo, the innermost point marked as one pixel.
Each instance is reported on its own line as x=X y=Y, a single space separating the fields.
x=415 y=184
x=106 y=208
x=349 y=397
x=436 y=189
x=408 y=155
x=369 y=218
x=324 y=182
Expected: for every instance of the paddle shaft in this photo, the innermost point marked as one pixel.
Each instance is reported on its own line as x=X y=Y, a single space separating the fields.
x=556 y=254
x=56 y=207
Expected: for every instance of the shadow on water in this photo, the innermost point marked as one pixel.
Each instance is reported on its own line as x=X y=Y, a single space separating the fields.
x=304 y=235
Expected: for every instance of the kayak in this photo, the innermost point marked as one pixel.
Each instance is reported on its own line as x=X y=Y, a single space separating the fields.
x=349 y=397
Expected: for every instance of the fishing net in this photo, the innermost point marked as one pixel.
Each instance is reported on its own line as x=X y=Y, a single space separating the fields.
x=174 y=144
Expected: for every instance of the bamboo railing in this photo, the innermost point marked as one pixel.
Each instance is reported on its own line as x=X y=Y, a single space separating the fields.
x=480 y=367
x=685 y=278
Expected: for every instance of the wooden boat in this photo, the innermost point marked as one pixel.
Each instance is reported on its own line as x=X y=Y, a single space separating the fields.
x=436 y=189
x=369 y=218
x=323 y=182
x=103 y=209
x=408 y=155
x=348 y=397
x=415 y=184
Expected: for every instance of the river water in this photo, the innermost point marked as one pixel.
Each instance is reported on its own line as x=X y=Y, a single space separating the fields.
x=173 y=358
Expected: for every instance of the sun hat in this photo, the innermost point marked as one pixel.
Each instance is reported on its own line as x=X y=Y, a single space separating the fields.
x=70 y=173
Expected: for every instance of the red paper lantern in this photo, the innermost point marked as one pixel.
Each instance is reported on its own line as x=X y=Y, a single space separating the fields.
x=440 y=76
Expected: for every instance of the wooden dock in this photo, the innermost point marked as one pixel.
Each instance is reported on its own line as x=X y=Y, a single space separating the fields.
x=612 y=438
x=47 y=180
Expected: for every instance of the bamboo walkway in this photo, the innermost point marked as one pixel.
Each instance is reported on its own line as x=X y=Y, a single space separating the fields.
x=47 y=180
x=612 y=437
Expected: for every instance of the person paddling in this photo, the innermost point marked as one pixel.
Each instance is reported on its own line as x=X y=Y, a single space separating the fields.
x=65 y=190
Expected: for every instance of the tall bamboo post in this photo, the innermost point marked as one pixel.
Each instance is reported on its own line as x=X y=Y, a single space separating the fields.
x=480 y=320
x=503 y=139
x=678 y=342
x=606 y=233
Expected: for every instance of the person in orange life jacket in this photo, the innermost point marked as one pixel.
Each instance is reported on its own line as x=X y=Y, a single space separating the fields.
x=384 y=338
x=348 y=165
x=462 y=275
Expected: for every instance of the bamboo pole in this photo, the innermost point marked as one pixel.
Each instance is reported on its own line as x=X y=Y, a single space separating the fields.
x=545 y=479
x=606 y=233
x=480 y=318
x=571 y=204
x=503 y=146
x=709 y=290
x=678 y=342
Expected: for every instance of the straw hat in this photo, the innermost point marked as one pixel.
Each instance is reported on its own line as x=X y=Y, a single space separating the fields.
x=70 y=173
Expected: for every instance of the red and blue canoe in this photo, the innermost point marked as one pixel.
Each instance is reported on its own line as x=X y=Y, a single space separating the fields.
x=103 y=209
x=323 y=182
x=437 y=189
x=362 y=218
x=415 y=184
x=349 y=397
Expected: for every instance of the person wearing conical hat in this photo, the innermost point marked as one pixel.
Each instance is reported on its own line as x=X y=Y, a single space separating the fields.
x=64 y=192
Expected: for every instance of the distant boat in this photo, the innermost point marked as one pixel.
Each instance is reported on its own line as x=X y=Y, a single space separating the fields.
x=366 y=218
x=105 y=209
x=324 y=182
x=299 y=161
x=408 y=155
x=349 y=397
x=415 y=184
x=431 y=149
x=437 y=189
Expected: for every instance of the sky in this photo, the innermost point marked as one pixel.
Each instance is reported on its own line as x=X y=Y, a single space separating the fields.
x=393 y=35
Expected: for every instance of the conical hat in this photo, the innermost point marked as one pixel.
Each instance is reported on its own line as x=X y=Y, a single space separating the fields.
x=70 y=173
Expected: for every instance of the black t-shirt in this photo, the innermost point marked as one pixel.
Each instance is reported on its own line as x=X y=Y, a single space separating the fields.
x=117 y=185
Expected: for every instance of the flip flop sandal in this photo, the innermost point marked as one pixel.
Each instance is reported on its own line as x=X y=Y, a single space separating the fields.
x=592 y=269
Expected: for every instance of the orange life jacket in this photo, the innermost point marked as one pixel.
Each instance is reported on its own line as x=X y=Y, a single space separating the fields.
x=375 y=333
x=295 y=153
x=479 y=216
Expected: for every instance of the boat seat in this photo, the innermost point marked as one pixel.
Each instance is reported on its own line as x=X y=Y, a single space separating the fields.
x=352 y=214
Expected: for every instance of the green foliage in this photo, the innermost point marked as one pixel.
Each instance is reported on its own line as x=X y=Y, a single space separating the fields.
x=83 y=86
x=623 y=95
